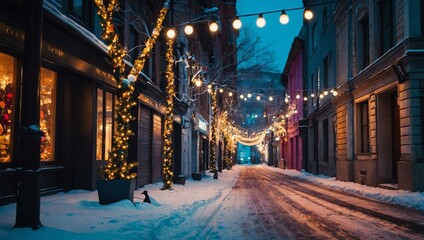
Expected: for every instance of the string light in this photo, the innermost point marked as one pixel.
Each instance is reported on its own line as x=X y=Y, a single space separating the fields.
x=284 y=18
x=271 y=98
x=188 y=29
x=171 y=33
x=169 y=112
x=308 y=14
x=260 y=22
x=213 y=27
x=237 y=23
x=249 y=95
x=241 y=96
x=117 y=166
x=258 y=98
x=230 y=94
x=198 y=83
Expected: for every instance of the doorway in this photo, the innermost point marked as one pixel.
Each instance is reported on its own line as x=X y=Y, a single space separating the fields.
x=388 y=136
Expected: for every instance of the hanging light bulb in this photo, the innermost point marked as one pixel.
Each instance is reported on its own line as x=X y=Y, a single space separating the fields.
x=271 y=98
x=241 y=96
x=335 y=93
x=260 y=22
x=213 y=27
x=249 y=95
x=308 y=14
x=230 y=94
x=321 y=95
x=325 y=93
x=258 y=98
x=188 y=29
x=284 y=18
x=221 y=90
x=305 y=98
x=237 y=23
x=312 y=95
x=170 y=33
x=297 y=96
x=198 y=83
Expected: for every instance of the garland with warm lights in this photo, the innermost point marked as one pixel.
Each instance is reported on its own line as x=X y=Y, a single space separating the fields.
x=213 y=132
x=167 y=134
x=117 y=166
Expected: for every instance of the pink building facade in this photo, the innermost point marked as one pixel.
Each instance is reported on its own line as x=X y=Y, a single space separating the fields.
x=292 y=77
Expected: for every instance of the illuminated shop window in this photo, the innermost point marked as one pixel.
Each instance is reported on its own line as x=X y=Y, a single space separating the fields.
x=47 y=113
x=104 y=124
x=7 y=76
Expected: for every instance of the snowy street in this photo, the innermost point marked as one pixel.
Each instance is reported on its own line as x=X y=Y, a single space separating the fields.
x=247 y=202
x=279 y=206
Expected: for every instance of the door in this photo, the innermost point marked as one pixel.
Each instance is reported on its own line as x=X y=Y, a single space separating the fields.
x=157 y=159
x=144 y=146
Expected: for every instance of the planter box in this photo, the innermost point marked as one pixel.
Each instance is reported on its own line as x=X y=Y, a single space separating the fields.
x=196 y=176
x=111 y=191
x=179 y=179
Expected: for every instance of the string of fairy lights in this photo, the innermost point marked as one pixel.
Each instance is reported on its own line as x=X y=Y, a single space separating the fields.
x=118 y=166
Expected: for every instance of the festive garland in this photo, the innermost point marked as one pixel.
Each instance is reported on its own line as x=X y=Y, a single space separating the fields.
x=250 y=141
x=117 y=167
x=167 y=134
x=213 y=132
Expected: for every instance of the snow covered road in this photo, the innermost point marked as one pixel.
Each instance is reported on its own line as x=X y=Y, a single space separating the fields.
x=279 y=206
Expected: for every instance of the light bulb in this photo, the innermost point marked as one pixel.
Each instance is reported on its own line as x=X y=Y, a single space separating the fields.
x=270 y=98
x=305 y=99
x=249 y=95
x=284 y=18
x=230 y=94
x=170 y=33
x=213 y=27
x=221 y=90
x=198 y=83
x=237 y=23
x=258 y=98
x=335 y=93
x=297 y=96
x=321 y=95
x=188 y=29
x=325 y=93
x=241 y=96
x=260 y=22
x=308 y=14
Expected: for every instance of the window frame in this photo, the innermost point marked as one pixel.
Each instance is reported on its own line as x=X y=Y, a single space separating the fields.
x=325 y=136
x=55 y=115
x=104 y=93
x=363 y=130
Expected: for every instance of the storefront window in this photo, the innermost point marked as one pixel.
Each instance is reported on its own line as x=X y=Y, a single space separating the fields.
x=47 y=113
x=104 y=124
x=7 y=75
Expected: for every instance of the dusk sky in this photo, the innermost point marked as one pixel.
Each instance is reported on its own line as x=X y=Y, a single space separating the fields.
x=279 y=37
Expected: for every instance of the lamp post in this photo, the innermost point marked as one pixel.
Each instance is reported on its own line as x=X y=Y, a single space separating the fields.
x=29 y=134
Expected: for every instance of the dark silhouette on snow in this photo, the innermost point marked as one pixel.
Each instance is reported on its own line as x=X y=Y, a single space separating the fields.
x=146 y=197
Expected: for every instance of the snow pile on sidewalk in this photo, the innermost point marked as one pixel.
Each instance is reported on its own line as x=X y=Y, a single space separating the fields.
x=183 y=213
x=409 y=199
